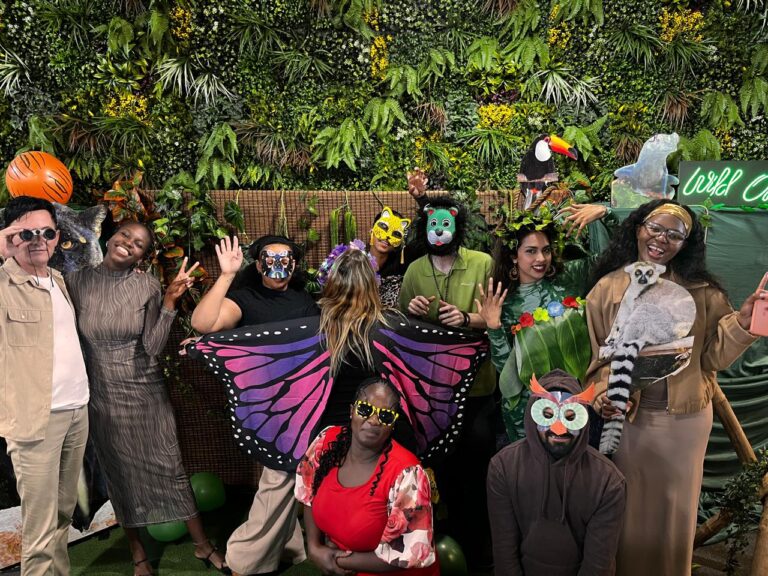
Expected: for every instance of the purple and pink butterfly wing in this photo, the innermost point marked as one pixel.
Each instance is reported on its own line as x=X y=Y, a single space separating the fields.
x=433 y=367
x=278 y=382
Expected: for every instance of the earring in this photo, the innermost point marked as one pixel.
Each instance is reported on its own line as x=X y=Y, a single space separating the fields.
x=514 y=273
x=551 y=271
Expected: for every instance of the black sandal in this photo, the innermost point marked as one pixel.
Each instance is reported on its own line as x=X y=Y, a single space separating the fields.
x=224 y=569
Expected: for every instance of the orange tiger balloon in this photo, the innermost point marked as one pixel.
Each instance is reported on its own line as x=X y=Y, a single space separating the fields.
x=40 y=175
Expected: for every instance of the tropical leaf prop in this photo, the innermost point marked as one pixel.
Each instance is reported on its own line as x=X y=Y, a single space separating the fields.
x=554 y=336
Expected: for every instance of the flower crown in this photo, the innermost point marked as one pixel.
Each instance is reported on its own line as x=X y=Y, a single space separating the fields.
x=512 y=221
x=325 y=269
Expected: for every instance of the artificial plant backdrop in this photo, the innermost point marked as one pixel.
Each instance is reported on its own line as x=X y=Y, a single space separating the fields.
x=348 y=94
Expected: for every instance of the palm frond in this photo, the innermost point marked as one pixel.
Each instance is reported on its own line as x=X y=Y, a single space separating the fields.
x=683 y=56
x=209 y=87
x=69 y=19
x=176 y=74
x=493 y=146
x=12 y=71
x=676 y=106
x=636 y=41
x=522 y=21
x=434 y=114
x=557 y=85
x=298 y=63
x=254 y=34
x=500 y=7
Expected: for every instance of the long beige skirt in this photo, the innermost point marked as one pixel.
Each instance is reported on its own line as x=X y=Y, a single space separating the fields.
x=662 y=457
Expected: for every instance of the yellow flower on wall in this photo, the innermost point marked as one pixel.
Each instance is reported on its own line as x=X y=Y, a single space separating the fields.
x=181 y=23
x=126 y=104
x=495 y=115
x=684 y=24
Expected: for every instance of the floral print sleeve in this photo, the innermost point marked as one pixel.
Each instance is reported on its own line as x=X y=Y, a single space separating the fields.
x=408 y=540
x=305 y=473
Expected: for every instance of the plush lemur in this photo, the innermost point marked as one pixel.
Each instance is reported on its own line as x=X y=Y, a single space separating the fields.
x=653 y=311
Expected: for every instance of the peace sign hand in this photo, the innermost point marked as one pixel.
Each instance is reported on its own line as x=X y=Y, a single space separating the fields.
x=179 y=285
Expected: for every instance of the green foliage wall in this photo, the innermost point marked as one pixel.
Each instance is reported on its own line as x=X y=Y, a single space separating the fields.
x=349 y=94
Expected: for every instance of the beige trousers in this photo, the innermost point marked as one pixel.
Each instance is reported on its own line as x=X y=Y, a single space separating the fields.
x=272 y=531
x=46 y=478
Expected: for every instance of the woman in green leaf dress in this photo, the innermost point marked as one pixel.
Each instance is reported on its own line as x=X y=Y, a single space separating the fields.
x=530 y=276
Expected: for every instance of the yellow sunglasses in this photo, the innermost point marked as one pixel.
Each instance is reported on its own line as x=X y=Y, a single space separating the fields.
x=365 y=410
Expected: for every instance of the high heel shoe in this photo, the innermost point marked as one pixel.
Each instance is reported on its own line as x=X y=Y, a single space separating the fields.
x=223 y=568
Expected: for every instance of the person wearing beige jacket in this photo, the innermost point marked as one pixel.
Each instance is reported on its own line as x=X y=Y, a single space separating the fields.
x=43 y=385
x=664 y=441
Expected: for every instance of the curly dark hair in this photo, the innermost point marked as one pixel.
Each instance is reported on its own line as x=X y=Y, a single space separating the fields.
x=445 y=201
x=689 y=263
x=503 y=254
x=337 y=450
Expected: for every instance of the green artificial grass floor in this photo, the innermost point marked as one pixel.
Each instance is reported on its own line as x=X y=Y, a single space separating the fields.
x=109 y=556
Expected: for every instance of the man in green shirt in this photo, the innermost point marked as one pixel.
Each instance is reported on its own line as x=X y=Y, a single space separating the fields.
x=441 y=287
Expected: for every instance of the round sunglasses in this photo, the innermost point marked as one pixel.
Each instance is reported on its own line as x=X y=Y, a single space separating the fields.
x=365 y=410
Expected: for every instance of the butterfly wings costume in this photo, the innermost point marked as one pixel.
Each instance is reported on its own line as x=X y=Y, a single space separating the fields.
x=278 y=379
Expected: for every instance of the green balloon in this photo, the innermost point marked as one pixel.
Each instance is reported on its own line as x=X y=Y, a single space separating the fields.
x=209 y=491
x=451 y=557
x=167 y=531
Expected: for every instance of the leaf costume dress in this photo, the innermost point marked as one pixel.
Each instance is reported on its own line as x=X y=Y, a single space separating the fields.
x=527 y=298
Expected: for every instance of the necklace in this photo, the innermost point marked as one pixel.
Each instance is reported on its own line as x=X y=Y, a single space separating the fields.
x=447 y=279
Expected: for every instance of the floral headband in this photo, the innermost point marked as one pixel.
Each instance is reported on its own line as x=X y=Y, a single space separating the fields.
x=325 y=269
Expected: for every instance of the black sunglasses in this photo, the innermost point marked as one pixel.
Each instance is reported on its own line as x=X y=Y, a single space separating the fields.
x=365 y=410
x=47 y=233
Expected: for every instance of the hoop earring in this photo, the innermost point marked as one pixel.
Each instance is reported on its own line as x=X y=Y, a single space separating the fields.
x=514 y=274
x=551 y=271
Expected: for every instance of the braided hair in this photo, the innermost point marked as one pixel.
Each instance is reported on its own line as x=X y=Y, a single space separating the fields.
x=336 y=453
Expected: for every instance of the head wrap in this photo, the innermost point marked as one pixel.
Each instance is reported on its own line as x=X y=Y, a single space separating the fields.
x=674 y=210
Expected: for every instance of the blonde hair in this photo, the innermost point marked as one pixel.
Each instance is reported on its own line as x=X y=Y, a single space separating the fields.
x=349 y=308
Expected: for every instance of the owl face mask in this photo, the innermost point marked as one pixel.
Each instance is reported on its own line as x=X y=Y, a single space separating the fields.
x=559 y=416
x=390 y=228
x=277 y=265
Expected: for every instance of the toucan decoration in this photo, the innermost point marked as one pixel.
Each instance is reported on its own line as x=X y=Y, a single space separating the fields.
x=537 y=170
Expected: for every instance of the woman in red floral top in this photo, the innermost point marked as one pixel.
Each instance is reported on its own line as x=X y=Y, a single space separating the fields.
x=366 y=499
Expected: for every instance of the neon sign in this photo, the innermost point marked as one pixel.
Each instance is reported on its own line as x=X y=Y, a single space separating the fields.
x=743 y=183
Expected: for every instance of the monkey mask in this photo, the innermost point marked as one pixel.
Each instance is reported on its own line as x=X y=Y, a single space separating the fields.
x=390 y=228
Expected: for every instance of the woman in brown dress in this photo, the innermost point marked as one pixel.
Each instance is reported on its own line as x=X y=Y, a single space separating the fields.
x=124 y=320
x=665 y=437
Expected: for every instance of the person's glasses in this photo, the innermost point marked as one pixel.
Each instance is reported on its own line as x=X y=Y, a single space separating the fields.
x=47 y=233
x=656 y=230
x=365 y=410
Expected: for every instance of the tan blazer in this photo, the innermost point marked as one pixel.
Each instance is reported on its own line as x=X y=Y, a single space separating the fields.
x=718 y=341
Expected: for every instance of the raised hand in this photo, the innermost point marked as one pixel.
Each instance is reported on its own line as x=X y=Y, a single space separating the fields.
x=580 y=215
x=230 y=255
x=7 y=248
x=180 y=284
x=745 y=312
x=417 y=182
x=490 y=305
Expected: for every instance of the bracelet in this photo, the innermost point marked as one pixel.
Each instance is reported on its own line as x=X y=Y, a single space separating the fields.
x=466 y=320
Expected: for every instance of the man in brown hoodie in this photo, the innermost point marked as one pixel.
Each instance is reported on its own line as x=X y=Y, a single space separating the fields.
x=556 y=505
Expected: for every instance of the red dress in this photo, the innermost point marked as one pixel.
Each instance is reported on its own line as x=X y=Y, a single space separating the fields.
x=395 y=522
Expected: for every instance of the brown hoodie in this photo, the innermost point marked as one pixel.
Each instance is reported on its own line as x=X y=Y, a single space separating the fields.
x=554 y=517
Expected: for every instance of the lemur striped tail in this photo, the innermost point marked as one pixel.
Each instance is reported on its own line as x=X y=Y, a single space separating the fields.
x=619 y=390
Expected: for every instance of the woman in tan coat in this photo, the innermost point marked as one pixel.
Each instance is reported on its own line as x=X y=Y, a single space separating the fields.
x=665 y=438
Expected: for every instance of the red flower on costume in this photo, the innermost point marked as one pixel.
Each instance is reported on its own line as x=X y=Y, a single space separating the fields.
x=515 y=329
x=526 y=320
x=570 y=302
x=396 y=525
